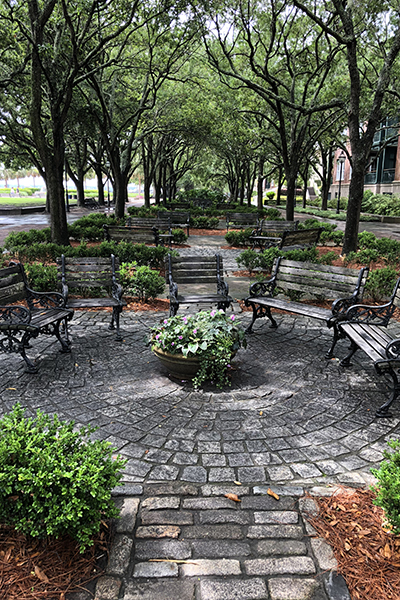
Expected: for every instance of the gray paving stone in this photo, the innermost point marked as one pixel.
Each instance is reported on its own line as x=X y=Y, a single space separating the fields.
x=281 y=547
x=280 y=473
x=213 y=460
x=211 y=567
x=128 y=490
x=283 y=588
x=158 y=531
x=217 y=490
x=220 y=549
x=268 y=503
x=251 y=474
x=324 y=554
x=168 y=472
x=167 y=517
x=222 y=474
x=179 y=550
x=224 y=516
x=249 y=589
x=194 y=474
x=127 y=516
x=294 y=565
x=216 y=532
x=155 y=503
x=288 y=490
x=275 y=531
x=159 y=590
x=157 y=569
x=120 y=555
x=207 y=503
x=240 y=460
x=178 y=488
x=306 y=470
x=276 y=516
x=107 y=588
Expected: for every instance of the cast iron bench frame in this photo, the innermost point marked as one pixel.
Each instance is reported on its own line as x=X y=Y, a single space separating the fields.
x=365 y=328
x=319 y=281
x=195 y=270
x=89 y=272
x=174 y=219
x=45 y=314
x=273 y=230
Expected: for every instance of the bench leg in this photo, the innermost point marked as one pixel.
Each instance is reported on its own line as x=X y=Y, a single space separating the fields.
x=258 y=313
x=65 y=344
x=31 y=367
x=383 y=411
x=173 y=308
x=337 y=335
x=115 y=319
x=345 y=362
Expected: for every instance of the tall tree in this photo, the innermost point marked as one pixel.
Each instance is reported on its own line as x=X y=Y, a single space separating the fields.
x=368 y=34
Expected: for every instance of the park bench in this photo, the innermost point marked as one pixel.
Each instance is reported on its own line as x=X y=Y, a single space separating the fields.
x=302 y=238
x=91 y=203
x=315 y=281
x=134 y=234
x=365 y=328
x=242 y=221
x=154 y=222
x=172 y=219
x=45 y=314
x=269 y=233
x=82 y=274
x=193 y=271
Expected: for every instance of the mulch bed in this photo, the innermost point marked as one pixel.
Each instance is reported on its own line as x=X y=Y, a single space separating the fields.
x=368 y=555
x=48 y=569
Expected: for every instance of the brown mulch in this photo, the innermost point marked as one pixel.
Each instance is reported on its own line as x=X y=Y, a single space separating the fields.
x=33 y=569
x=368 y=555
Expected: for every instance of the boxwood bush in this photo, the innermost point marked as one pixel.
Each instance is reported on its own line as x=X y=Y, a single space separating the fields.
x=55 y=480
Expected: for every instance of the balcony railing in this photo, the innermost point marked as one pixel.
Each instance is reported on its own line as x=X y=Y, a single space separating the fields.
x=370 y=178
x=388 y=176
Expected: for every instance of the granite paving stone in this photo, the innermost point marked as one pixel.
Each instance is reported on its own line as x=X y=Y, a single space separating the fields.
x=290 y=421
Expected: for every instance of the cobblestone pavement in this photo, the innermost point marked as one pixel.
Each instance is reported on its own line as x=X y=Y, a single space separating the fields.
x=291 y=420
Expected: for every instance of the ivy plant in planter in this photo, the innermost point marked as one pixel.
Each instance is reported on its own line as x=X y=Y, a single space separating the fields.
x=211 y=337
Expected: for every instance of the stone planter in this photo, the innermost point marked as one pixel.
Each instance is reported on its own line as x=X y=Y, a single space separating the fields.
x=178 y=366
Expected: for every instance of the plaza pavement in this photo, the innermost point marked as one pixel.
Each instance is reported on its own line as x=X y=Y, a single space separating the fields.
x=291 y=421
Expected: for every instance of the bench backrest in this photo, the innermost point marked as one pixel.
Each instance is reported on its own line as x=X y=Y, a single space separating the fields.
x=194 y=269
x=241 y=219
x=169 y=219
x=319 y=281
x=142 y=222
x=279 y=226
x=88 y=271
x=135 y=234
x=12 y=284
x=301 y=237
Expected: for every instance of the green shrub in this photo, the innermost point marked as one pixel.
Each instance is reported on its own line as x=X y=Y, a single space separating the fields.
x=90 y=227
x=41 y=278
x=203 y=222
x=239 y=238
x=249 y=259
x=272 y=214
x=367 y=239
x=25 y=238
x=179 y=236
x=331 y=236
x=270 y=196
x=388 y=486
x=380 y=283
x=328 y=258
x=363 y=257
x=54 y=480
x=142 y=281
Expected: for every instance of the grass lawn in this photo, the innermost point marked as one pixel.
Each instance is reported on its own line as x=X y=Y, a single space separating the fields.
x=24 y=201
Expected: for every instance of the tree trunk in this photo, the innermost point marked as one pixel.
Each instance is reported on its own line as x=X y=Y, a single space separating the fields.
x=356 y=191
x=100 y=185
x=260 y=180
x=291 y=194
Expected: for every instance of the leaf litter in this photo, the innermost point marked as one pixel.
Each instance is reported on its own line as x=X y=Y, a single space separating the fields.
x=32 y=569
x=367 y=553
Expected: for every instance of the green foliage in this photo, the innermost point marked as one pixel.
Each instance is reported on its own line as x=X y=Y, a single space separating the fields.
x=381 y=204
x=141 y=211
x=251 y=260
x=54 y=480
x=212 y=336
x=272 y=214
x=201 y=195
x=332 y=236
x=41 y=278
x=388 y=486
x=380 y=283
x=367 y=239
x=328 y=258
x=90 y=227
x=203 y=222
x=26 y=238
x=239 y=238
x=270 y=196
x=179 y=236
x=141 y=281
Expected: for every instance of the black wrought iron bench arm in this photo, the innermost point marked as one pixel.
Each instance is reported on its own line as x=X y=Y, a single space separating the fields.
x=375 y=315
x=14 y=315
